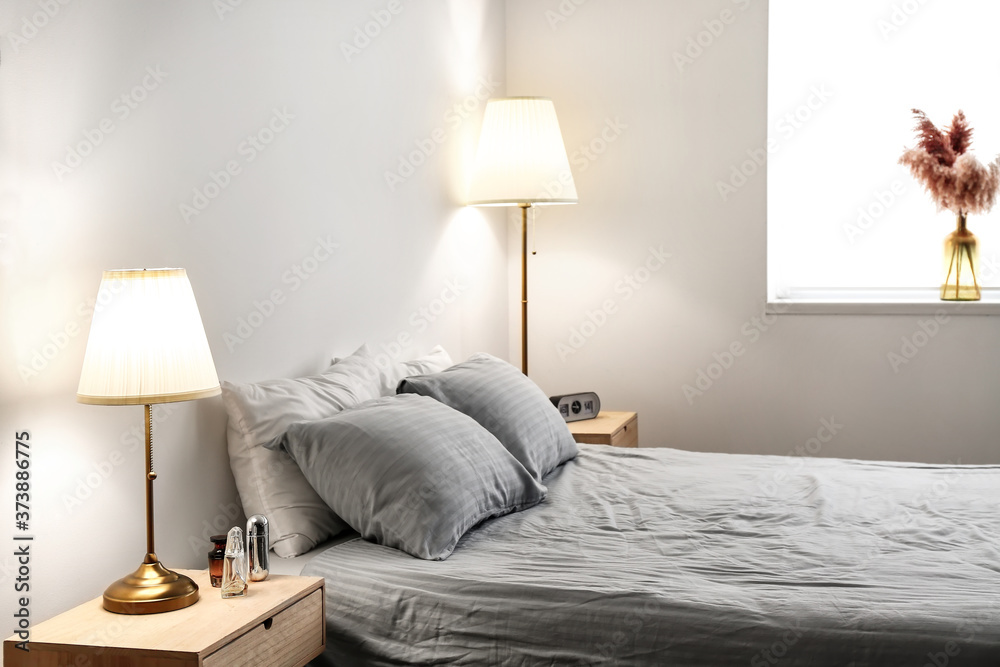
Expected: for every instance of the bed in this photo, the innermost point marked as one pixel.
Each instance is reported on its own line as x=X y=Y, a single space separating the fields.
x=491 y=538
x=665 y=557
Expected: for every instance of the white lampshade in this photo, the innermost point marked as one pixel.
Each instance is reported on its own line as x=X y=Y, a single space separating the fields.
x=521 y=157
x=147 y=343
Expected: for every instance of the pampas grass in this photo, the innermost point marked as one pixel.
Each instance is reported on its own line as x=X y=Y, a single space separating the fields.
x=953 y=177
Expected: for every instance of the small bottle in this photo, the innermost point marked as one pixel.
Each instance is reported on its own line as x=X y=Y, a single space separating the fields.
x=215 y=558
x=257 y=546
x=234 y=570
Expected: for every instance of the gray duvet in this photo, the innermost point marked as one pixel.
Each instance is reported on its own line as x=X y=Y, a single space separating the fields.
x=664 y=557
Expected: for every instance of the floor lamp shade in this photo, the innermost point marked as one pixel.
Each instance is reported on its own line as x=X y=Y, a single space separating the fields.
x=147 y=343
x=521 y=157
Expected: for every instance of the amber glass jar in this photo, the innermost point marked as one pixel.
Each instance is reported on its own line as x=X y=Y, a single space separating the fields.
x=216 y=557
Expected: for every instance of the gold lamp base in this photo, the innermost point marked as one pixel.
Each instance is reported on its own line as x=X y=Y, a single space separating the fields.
x=151 y=589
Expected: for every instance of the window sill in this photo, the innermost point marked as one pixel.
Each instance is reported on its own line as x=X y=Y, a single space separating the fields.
x=880 y=302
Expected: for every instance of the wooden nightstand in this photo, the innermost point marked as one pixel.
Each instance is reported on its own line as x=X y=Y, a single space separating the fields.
x=280 y=623
x=618 y=429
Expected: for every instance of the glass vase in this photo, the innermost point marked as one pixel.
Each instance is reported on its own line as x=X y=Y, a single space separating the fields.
x=961 y=265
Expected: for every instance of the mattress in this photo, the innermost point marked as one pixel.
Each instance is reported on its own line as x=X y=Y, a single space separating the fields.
x=278 y=565
x=659 y=556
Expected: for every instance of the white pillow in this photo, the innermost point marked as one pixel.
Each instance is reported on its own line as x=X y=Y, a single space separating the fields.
x=269 y=482
x=392 y=372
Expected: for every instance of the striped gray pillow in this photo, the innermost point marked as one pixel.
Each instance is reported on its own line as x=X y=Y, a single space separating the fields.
x=410 y=473
x=507 y=404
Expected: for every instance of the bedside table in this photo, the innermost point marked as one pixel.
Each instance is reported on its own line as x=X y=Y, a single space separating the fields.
x=618 y=429
x=279 y=623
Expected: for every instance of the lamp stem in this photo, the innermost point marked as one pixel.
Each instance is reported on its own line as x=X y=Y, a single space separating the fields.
x=152 y=588
x=150 y=476
x=524 y=287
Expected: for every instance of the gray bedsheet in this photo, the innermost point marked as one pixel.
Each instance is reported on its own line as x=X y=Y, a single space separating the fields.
x=664 y=557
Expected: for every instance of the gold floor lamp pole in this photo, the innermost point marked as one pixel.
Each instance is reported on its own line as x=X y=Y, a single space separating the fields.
x=524 y=287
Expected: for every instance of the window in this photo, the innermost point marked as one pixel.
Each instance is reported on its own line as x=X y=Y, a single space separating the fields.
x=846 y=223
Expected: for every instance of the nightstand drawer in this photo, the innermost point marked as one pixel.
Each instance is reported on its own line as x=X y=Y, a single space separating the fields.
x=289 y=638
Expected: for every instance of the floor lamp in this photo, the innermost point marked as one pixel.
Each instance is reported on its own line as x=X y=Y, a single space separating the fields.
x=521 y=161
x=147 y=345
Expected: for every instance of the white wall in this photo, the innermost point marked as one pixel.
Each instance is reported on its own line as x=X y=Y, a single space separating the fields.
x=321 y=177
x=656 y=185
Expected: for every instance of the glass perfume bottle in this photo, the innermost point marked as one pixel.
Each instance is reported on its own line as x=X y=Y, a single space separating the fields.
x=234 y=567
x=215 y=559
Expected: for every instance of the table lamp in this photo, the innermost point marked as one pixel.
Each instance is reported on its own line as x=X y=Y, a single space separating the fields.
x=147 y=345
x=521 y=161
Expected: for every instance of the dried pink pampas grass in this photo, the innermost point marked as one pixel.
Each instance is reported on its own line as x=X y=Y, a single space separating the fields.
x=955 y=179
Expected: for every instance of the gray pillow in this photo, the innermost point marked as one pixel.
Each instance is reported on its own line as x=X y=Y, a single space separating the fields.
x=507 y=404
x=410 y=473
x=269 y=482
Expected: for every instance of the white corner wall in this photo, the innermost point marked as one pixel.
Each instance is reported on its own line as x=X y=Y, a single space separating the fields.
x=275 y=125
x=658 y=101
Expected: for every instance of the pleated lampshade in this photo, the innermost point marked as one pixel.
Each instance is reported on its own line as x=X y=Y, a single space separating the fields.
x=147 y=343
x=521 y=157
